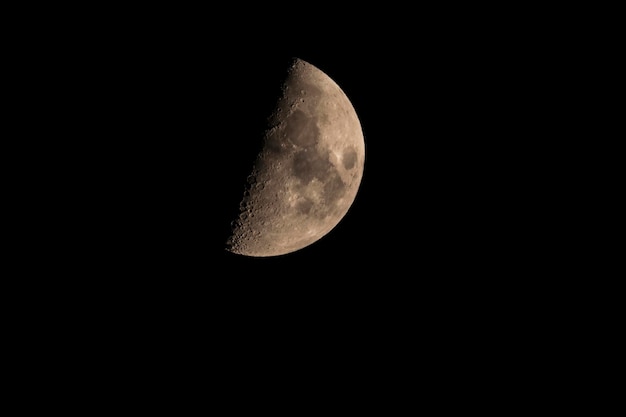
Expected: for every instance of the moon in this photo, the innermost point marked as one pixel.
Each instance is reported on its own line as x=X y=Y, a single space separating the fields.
x=308 y=172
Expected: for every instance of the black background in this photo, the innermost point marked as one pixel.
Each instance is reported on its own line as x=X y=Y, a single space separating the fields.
x=160 y=119
x=444 y=127
x=152 y=120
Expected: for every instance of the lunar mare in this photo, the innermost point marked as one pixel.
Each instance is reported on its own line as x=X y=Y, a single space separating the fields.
x=307 y=175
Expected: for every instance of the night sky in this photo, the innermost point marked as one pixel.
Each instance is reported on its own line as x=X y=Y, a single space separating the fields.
x=437 y=264
x=177 y=123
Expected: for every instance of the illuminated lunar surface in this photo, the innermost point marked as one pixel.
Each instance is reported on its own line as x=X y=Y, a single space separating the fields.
x=307 y=175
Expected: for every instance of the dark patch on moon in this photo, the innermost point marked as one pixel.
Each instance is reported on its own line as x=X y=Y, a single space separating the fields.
x=349 y=158
x=309 y=164
x=298 y=129
x=301 y=130
x=334 y=188
x=273 y=141
x=304 y=206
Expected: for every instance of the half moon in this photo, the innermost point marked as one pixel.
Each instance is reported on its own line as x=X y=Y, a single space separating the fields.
x=307 y=174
